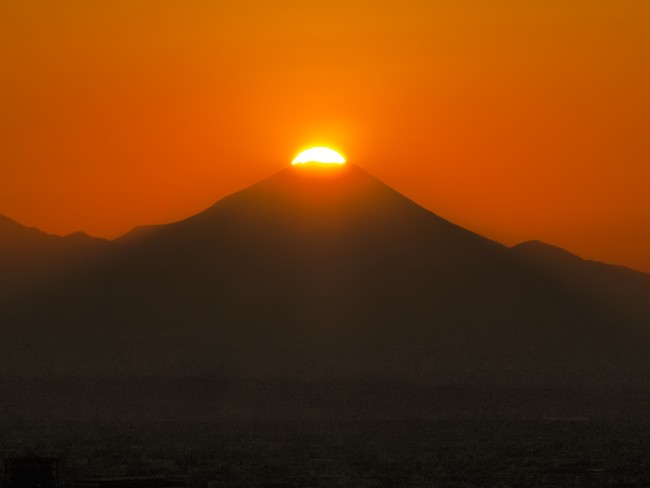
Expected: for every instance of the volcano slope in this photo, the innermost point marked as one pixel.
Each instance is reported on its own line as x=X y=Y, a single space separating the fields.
x=329 y=274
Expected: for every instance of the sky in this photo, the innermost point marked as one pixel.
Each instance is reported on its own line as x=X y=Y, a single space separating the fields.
x=518 y=120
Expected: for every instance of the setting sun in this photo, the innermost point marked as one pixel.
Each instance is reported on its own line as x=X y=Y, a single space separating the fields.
x=323 y=155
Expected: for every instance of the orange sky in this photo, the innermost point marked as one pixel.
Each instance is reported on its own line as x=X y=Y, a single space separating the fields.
x=518 y=120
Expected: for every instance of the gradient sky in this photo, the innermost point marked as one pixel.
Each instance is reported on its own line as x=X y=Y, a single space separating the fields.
x=518 y=120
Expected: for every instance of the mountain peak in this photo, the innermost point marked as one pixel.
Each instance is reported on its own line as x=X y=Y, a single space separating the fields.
x=314 y=184
x=542 y=250
x=322 y=206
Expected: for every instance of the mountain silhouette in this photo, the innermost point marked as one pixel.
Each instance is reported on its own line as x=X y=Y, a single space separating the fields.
x=331 y=274
x=30 y=257
x=623 y=290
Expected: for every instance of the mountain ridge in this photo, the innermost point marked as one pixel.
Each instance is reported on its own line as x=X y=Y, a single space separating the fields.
x=334 y=275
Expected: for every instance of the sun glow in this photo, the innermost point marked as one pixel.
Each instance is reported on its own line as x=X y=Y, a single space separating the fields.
x=322 y=155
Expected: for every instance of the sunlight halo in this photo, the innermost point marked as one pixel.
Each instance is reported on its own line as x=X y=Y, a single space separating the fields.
x=322 y=155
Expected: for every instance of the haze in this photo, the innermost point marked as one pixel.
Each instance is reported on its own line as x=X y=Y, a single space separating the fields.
x=518 y=120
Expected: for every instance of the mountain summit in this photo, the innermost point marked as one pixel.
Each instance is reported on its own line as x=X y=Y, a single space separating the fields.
x=329 y=273
x=323 y=212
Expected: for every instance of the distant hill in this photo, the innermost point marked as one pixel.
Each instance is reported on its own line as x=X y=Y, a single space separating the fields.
x=30 y=257
x=332 y=274
x=623 y=290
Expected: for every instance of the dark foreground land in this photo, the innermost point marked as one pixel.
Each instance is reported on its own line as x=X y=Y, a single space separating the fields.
x=210 y=433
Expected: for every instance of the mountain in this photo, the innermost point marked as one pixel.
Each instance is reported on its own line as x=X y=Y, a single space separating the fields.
x=623 y=290
x=29 y=257
x=331 y=274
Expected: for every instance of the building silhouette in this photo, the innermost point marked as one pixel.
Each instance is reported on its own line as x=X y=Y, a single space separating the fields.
x=32 y=472
x=129 y=482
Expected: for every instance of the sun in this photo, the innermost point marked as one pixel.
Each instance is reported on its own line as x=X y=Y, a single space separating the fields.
x=321 y=155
